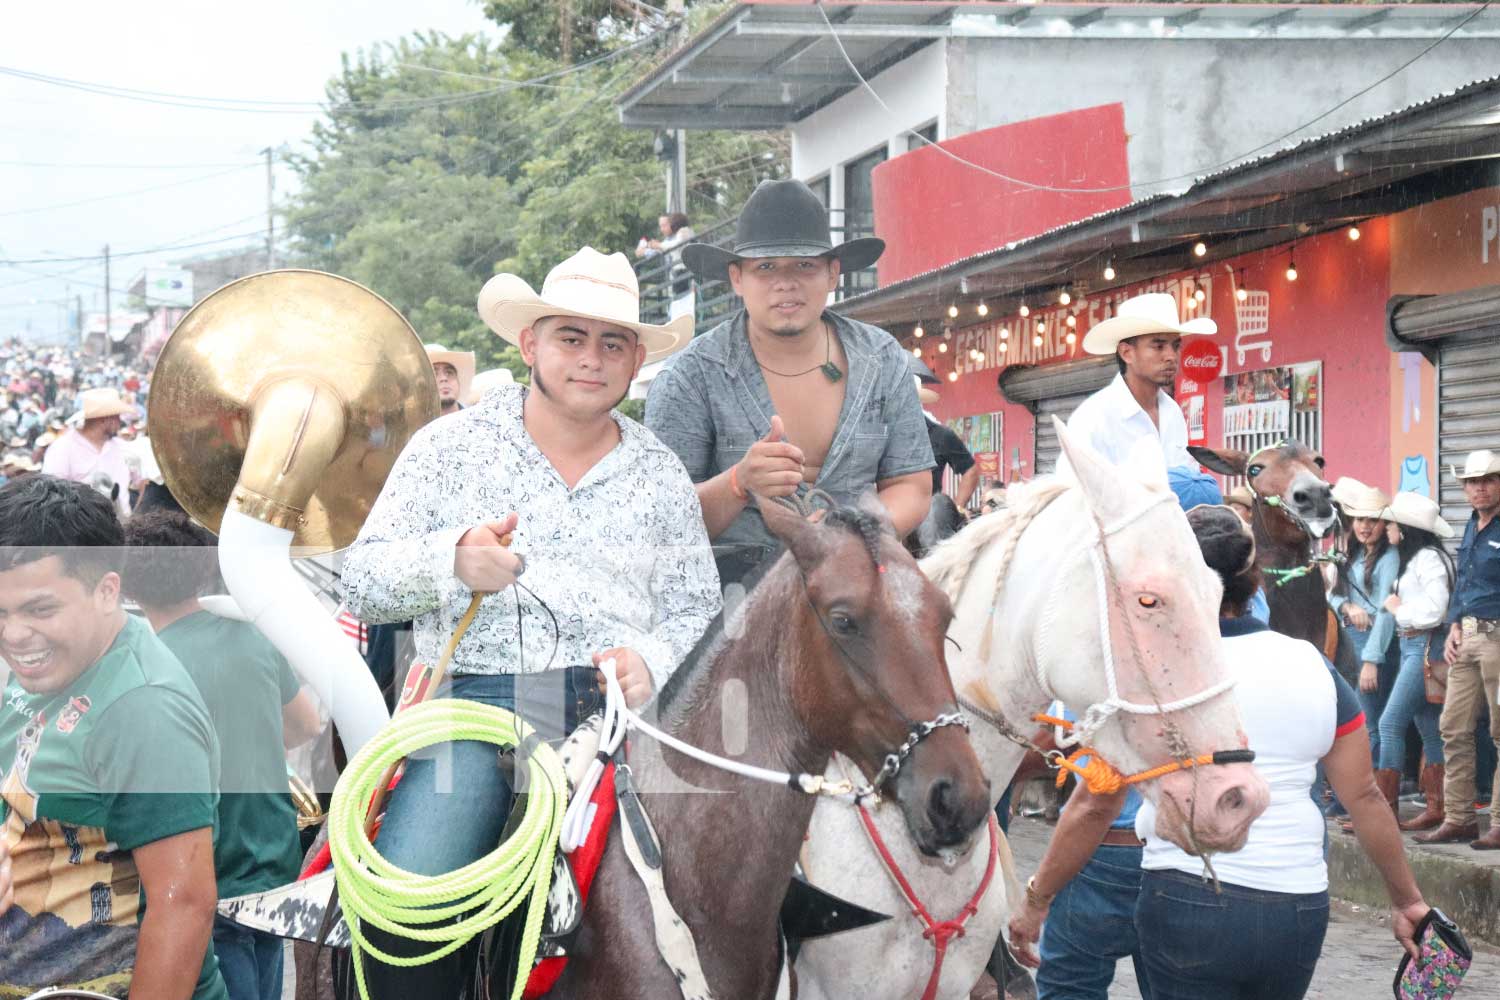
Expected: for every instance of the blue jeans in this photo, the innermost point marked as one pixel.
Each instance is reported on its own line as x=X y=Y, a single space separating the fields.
x=1408 y=704
x=1372 y=703
x=1241 y=944
x=1090 y=927
x=249 y=961
x=452 y=805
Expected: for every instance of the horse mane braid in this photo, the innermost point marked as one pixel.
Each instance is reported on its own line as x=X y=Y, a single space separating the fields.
x=866 y=526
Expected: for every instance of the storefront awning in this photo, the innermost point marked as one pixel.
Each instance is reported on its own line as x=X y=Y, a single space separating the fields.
x=1029 y=384
x=1419 y=322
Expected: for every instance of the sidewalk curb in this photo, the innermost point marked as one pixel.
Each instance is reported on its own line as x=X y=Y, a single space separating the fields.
x=1466 y=890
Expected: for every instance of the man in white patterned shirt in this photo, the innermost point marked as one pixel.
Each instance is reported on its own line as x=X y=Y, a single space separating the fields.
x=605 y=526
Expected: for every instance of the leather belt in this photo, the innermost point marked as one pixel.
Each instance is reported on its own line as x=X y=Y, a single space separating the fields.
x=1413 y=633
x=1471 y=625
x=1120 y=837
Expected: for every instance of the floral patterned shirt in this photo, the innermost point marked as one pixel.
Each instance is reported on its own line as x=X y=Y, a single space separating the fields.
x=621 y=559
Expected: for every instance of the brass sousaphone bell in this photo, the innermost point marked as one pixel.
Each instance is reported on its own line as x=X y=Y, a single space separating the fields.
x=287 y=396
x=278 y=408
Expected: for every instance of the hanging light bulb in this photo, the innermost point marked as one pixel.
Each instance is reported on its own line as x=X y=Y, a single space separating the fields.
x=1199 y=294
x=1004 y=348
x=953 y=376
x=1005 y=333
x=973 y=354
x=919 y=333
x=1241 y=294
x=916 y=352
x=1109 y=271
x=983 y=309
x=942 y=348
x=979 y=356
x=1064 y=298
x=1072 y=321
x=1036 y=341
x=1024 y=311
x=1071 y=338
x=1291 y=266
x=1041 y=327
x=1354 y=233
x=953 y=312
x=1192 y=304
x=1200 y=248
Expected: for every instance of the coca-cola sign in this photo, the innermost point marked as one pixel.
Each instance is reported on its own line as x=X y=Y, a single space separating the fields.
x=1201 y=360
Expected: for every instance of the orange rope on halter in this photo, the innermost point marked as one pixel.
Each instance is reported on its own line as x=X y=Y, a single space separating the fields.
x=1102 y=778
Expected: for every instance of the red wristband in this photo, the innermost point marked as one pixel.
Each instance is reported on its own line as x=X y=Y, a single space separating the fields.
x=734 y=482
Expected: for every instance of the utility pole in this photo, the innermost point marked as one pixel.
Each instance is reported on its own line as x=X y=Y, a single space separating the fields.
x=270 y=208
x=106 y=301
x=565 y=31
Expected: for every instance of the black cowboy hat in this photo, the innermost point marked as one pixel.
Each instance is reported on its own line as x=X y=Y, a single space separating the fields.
x=781 y=219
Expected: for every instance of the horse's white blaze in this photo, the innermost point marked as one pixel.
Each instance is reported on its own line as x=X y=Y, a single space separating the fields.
x=906 y=588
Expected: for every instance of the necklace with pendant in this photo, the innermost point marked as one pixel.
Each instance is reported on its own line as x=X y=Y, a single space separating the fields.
x=830 y=370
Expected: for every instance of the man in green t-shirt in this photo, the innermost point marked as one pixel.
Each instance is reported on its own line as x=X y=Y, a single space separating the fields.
x=108 y=768
x=248 y=688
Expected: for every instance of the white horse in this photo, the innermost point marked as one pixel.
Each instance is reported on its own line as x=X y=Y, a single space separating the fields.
x=1044 y=612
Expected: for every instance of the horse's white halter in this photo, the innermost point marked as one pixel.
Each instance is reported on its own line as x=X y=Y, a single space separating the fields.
x=1096 y=715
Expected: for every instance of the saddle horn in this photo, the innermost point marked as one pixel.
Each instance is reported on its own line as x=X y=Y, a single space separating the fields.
x=278 y=407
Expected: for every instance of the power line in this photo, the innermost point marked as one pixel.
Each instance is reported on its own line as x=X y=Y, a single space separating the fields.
x=125 y=166
x=133 y=253
x=123 y=194
x=203 y=103
x=1199 y=172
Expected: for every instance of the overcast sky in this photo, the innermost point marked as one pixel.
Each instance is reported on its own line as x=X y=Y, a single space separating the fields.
x=273 y=50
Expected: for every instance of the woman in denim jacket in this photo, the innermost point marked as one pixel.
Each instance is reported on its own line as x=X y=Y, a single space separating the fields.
x=1367 y=575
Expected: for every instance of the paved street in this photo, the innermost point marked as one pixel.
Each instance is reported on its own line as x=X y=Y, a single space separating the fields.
x=1359 y=954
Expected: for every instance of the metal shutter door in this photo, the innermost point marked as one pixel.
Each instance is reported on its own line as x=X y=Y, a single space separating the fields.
x=1468 y=414
x=1047 y=447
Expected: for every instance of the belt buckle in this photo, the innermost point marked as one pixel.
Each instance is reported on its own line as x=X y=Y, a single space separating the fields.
x=1469 y=626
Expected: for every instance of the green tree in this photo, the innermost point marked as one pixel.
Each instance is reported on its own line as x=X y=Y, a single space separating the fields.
x=442 y=161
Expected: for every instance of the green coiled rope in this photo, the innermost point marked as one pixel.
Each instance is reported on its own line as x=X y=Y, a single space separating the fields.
x=447 y=910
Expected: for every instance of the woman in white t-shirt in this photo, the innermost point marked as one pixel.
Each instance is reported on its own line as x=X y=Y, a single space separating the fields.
x=1415 y=527
x=1259 y=933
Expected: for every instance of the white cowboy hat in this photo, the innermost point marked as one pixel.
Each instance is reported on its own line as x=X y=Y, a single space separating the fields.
x=101 y=403
x=1416 y=511
x=1479 y=463
x=1155 y=312
x=462 y=362
x=485 y=381
x=22 y=462
x=1359 y=500
x=926 y=395
x=587 y=285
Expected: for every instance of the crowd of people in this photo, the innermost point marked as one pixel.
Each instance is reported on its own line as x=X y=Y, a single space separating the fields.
x=614 y=521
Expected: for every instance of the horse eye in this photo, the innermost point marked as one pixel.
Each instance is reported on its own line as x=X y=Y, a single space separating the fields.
x=1255 y=470
x=1148 y=601
x=842 y=623
x=1318 y=459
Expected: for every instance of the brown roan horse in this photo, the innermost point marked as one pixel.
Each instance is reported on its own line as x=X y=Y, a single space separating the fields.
x=1293 y=510
x=839 y=648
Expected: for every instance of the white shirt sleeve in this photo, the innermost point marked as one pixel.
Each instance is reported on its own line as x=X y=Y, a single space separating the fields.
x=1424 y=592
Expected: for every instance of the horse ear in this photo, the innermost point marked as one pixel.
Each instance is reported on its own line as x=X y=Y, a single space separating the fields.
x=1099 y=480
x=869 y=503
x=1224 y=461
x=793 y=530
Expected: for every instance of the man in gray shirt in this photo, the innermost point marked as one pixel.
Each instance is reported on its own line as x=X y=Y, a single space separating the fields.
x=786 y=396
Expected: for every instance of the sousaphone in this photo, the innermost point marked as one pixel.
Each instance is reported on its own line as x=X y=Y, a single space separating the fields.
x=278 y=408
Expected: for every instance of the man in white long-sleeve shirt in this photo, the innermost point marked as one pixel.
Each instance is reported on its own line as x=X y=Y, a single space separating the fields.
x=604 y=524
x=1134 y=421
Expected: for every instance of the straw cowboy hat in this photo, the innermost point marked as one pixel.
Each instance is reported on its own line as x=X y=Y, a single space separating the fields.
x=588 y=285
x=1479 y=464
x=22 y=462
x=1155 y=312
x=99 y=403
x=1359 y=500
x=462 y=362
x=926 y=395
x=781 y=219
x=485 y=381
x=1416 y=511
